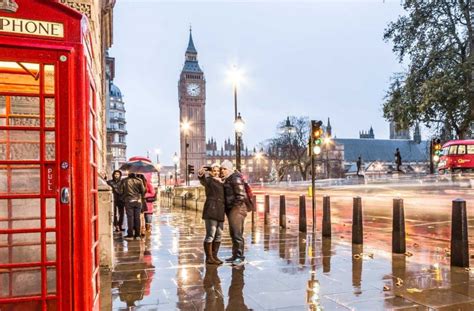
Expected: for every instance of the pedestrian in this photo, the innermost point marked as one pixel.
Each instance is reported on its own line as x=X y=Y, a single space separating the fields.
x=359 y=165
x=119 y=206
x=133 y=191
x=236 y=210
x=398 y=159
x=148 y=199
x=213 y=212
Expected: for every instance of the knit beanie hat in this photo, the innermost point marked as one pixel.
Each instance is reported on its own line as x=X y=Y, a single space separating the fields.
x=228 y=165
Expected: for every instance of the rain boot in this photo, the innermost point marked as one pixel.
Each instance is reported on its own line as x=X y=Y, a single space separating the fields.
x=208 y=251
x=215 y=250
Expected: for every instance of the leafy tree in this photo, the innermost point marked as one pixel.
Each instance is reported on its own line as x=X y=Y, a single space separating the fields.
x=435 y=40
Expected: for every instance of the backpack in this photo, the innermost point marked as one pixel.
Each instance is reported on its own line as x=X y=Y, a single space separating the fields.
x=249 y=192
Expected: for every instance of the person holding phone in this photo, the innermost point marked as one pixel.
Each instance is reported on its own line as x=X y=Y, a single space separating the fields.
x=213 y=212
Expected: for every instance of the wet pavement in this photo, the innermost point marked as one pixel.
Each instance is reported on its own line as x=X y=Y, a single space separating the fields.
x=284 y=270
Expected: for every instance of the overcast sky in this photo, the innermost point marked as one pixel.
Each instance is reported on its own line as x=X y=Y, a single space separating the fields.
x=315 y=58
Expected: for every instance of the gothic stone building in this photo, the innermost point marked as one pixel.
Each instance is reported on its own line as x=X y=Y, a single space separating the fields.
x=192 y=102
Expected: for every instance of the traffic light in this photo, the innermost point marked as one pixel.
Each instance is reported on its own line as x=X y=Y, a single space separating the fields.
x=316 y=136
x=436 y=149
x=190 y=169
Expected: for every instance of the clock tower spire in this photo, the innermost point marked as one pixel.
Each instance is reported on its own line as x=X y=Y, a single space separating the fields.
x=192 y=102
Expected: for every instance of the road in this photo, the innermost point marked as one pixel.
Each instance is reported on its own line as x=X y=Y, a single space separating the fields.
x=427 y=202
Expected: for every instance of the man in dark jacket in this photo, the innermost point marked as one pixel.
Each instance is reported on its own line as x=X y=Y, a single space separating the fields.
x=133 y=191
x=236 y=210
x=213 y=212
x=119 y=206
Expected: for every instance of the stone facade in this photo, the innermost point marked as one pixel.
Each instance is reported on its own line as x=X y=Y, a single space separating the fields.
x=192 y=101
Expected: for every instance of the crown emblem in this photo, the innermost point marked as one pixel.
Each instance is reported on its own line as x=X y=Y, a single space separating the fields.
x=8 y=6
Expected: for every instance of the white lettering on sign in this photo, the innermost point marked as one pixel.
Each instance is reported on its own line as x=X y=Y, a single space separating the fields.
x=50 y=177
x=31 y=27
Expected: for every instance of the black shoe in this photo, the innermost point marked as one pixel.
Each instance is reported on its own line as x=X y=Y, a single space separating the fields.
x=230 y=259
x=122 y=229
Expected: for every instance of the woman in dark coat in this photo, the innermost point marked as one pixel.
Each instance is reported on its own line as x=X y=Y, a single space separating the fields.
x=213 y=212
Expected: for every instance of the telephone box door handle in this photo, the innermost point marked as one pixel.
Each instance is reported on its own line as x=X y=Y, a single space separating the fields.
x=65 y=195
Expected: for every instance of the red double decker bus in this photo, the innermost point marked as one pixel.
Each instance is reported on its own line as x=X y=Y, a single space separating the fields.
x=457 y=156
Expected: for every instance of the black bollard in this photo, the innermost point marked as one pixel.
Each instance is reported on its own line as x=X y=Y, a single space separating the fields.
x=267 y=210
x=282 y=211
x=459 y=235
x=357 y=229
x=398 y=231
x=326 y=216
x=302 y=221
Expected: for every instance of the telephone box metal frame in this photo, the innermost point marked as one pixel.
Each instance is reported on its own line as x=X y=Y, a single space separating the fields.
x=77 y=286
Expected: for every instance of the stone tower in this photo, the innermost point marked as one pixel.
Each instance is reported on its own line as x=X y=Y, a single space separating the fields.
x=192 y=102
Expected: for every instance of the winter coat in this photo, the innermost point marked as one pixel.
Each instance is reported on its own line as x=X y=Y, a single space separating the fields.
x=133 y=189
x=214 y=207
x=115 y=185
x=150 y=193
x=234 y=191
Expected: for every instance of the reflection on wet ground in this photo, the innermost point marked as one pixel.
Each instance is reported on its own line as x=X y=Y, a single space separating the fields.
x=285 y=270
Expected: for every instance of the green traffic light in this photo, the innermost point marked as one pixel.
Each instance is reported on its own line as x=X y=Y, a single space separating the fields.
x=318 y=141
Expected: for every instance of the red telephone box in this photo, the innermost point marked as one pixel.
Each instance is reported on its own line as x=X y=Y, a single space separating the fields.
x=48 y=171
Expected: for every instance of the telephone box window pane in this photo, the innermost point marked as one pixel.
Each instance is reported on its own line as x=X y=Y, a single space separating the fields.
x=24 y=281
x=22 y=247
x=49 y=79
x=19 y=145
x=51 y=246
x=23 y=179
x=25 y=213
x=50 y=111
x=51 y=252
x=51 y=280
x=51 y=213
x=50 y=146
x=24 y=111
x=17 y=77
x=3 y=106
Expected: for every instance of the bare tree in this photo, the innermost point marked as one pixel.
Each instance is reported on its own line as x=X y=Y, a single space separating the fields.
x=289 y=148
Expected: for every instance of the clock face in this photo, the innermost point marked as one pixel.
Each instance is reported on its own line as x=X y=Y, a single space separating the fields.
x=193 y=89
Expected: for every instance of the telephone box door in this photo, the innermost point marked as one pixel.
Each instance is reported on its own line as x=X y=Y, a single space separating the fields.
x=35 y=210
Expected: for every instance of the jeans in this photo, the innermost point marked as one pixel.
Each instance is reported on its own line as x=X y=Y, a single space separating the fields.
x=133 y=218
x=213 y=230
x=236 y=217
x=148 y=218
x=119 y=212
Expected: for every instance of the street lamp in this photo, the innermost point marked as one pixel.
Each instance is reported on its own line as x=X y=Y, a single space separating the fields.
x=235 y=76
x=239 y=129
x=158 y=165
x=327 y=144
x=258 y=157
x=175 y=160
x=185 y=127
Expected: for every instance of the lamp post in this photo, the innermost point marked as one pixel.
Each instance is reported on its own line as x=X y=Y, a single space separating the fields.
x=235 y=76
x=158 y=166
x=175 y=160
x=327 y=144
x=289 y=129
x=239 y=128
x=258 y=158
x=185 y=126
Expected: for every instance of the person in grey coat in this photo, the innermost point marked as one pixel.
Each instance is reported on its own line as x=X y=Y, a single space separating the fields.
x=213 y=212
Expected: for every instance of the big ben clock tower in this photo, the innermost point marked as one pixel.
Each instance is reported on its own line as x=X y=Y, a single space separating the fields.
x=192 y=102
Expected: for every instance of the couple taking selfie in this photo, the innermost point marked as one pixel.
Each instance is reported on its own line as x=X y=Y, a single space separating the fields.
x=227 y=194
